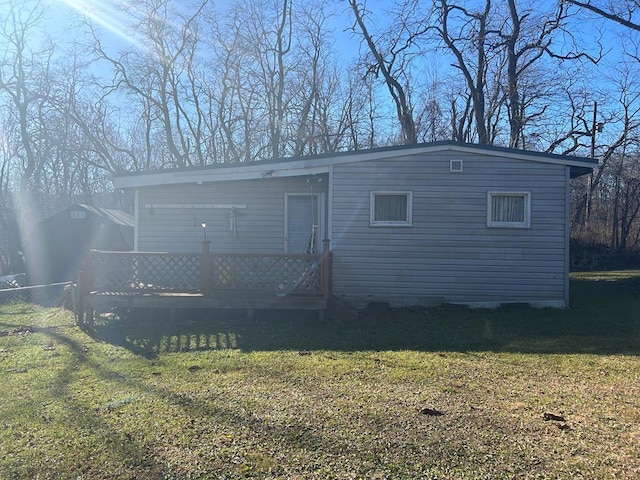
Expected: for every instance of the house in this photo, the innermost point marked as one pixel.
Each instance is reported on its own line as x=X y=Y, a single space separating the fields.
x=57 y=244
x=444 y=221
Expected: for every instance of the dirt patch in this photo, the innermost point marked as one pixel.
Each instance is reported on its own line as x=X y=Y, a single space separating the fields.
x=18 y=331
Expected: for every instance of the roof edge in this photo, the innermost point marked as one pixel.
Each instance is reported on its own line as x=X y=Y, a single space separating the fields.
x=292 y=166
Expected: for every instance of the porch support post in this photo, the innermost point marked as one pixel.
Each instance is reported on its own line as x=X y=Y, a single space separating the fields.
x=326 y=269
x=205 y=269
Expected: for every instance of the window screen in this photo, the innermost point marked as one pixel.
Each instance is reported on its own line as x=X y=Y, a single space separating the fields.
x=508 y=209
x=391 y=208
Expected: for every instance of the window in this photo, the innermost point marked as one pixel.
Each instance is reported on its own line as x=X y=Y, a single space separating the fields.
x=391 y=209
x=509 y=209
x=78 y=214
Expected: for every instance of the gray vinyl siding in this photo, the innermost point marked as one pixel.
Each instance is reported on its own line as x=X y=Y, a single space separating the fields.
x=259 y=226
x=449 y=252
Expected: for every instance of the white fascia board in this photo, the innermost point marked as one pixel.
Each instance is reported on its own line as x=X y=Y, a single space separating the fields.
x=252 y=172
x=141 y=180
x=286 y=168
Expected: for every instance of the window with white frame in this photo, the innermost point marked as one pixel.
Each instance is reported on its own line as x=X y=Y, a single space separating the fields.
x=390 y=208
x=509 y=209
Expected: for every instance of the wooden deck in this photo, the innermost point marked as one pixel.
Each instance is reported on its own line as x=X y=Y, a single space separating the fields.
x=142 y=280
x=97 y=303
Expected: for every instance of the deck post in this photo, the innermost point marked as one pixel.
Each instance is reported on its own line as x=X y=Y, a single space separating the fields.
x=83 y=288
x=326 y=270
x=205 y=269
x=79 y=300
x=89 y=274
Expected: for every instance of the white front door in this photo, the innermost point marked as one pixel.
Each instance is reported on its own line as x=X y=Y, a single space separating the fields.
x=303 y=221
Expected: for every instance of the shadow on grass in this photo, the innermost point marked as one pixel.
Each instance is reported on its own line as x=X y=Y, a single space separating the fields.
x=603 y=319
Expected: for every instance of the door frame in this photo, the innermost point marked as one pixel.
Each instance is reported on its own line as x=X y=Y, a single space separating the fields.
x=319 y=196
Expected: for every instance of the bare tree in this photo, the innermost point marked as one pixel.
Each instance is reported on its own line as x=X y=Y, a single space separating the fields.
x=623 y=181
x=21 y=68
x=496 y=52
x=469 y=47
x=276 y=88
x=524 y=50
x=623 y=12
x=392 y=65
x=156 y=76
x=264 y=33
x=626 y=122
x=320 y=111
x=249 y=90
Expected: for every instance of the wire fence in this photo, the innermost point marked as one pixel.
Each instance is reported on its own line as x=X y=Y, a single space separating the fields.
x=52 y=295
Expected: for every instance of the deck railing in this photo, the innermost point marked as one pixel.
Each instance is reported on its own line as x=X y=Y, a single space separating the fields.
x=206 y=273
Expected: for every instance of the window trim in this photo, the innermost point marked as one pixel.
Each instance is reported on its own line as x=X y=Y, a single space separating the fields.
x=456 y=163
x=527 y=209
x=390 y=223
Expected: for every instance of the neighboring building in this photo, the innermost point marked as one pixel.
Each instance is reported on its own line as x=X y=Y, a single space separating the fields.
x=58 y=243
x=414 y=224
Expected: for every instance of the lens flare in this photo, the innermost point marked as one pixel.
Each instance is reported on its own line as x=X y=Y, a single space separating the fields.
x=32 y=245
x=115 y=16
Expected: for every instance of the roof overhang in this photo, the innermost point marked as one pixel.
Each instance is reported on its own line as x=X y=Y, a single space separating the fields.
x=578 y=171
x=321 y=164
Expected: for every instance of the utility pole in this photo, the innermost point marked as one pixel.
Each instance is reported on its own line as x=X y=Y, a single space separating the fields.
x=596 y=127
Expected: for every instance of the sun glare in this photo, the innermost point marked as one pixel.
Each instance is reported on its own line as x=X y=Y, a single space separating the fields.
x=111 y=15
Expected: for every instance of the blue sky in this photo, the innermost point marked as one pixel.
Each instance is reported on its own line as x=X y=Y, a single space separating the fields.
x=114 y=25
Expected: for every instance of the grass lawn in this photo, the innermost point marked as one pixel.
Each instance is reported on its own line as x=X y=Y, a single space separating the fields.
x=443 y=393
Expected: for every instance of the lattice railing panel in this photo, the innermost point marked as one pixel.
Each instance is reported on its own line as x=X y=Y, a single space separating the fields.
x=168 y=272
x=267 y=273
x=111 y=272
x=171 y=272
x=131 y=271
